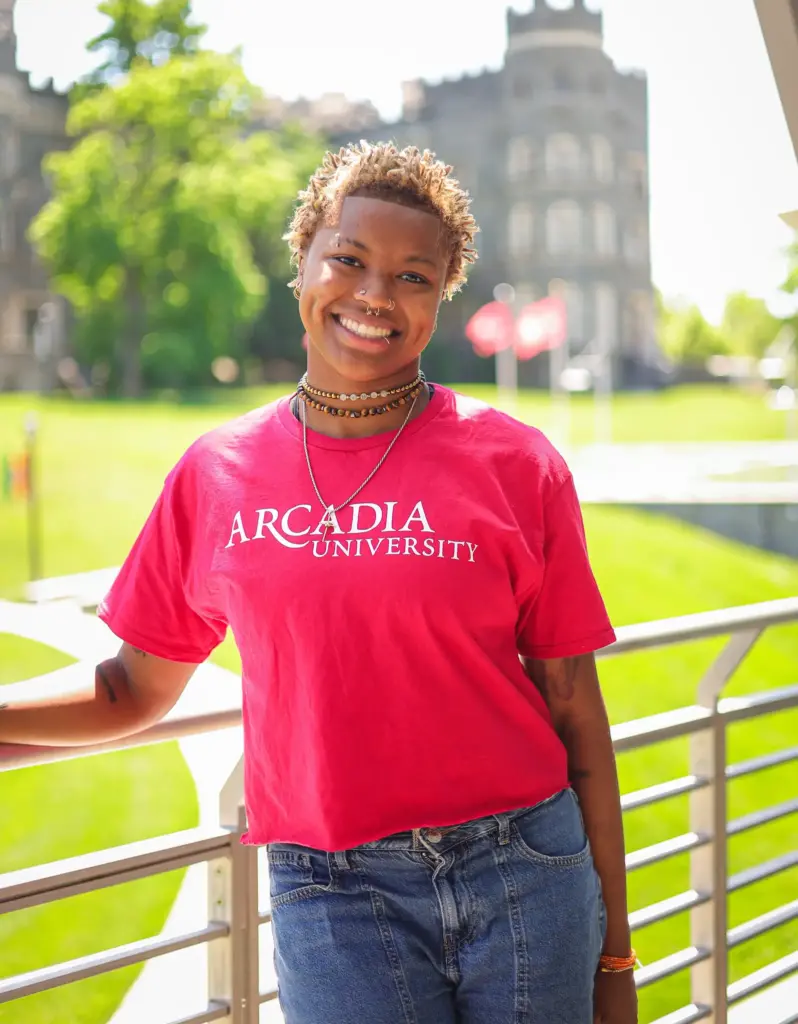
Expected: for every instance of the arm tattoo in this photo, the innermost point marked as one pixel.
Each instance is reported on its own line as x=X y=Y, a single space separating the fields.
x=106 y=683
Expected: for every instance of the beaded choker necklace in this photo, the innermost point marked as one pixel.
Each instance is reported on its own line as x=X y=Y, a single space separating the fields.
x=372 y=410
x=305 y=386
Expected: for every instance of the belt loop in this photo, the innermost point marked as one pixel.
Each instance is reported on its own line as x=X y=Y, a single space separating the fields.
x=341 y=860
x=504 y=828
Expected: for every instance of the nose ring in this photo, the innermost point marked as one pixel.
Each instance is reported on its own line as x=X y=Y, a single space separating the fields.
x=376 y=312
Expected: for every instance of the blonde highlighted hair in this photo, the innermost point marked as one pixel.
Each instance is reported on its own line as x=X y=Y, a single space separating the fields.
x=383 y=170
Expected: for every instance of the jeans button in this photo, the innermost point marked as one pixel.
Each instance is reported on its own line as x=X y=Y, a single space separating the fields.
x=434 y=836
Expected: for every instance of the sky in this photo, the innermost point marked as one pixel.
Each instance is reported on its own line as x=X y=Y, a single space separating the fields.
x=721 y=161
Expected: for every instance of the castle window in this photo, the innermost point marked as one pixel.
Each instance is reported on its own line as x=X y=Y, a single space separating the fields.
x=602 y=159
x=521 y=229
x=606 y=316
x=571 y=294
x=604 y=230
x=637 y=173
x=520 y=158
x=635 y=243
x=563 y=82
x=563 y=158
x=564 y=228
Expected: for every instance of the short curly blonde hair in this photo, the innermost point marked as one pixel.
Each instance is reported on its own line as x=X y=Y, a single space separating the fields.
x=382 y=169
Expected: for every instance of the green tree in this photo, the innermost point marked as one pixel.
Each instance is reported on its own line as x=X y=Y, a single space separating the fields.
x=748 y=327
x=790 y=285
x=685 y=336
x=157 y=212
x=140 y=32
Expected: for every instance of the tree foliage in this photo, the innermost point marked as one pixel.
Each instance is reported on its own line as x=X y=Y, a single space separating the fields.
x=748 y=327
x=140 y=32
x=167 y=211
x=685 y=336
x=790 y=285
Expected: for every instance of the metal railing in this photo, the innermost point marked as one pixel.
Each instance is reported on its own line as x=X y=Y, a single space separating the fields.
x=234 y=917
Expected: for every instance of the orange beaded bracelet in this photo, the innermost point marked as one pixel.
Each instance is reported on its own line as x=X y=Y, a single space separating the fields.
x=618 y=964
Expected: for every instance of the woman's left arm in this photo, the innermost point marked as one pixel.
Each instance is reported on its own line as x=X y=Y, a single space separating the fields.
x=572 y=693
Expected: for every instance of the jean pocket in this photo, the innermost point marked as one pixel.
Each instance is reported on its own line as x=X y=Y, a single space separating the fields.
x=552 y=833
x=296 y=874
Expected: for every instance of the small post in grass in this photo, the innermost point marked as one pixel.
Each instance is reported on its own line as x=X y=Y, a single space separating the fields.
x=32 y=498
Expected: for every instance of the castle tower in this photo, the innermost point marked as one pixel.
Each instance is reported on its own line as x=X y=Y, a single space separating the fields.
x=8 y=39
x=547 y=26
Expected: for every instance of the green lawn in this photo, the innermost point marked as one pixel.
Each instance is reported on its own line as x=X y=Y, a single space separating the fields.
x=64 y=810
x=102 y=466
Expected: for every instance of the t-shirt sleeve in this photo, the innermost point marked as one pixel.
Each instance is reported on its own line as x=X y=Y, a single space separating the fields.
x=161 y=601
x=565 y=615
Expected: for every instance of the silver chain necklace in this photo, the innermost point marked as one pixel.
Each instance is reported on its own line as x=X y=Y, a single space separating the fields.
x=330 y=510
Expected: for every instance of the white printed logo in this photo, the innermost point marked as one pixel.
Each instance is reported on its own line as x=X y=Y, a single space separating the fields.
x=357 y=530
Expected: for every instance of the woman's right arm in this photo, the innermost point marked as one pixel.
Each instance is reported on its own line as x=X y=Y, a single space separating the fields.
x=131 y=692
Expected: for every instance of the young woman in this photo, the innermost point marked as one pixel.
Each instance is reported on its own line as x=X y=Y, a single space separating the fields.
x=405 y=574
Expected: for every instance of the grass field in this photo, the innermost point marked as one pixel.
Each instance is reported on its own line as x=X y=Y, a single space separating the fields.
x=101 y=468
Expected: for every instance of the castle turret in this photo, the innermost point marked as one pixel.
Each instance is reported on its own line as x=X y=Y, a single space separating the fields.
x=547 y=26
x=8 y=39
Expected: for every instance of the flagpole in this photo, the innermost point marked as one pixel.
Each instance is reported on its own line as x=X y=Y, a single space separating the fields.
x=32 y=499
x=506 y=358
x=558 y=395
x=602 y=395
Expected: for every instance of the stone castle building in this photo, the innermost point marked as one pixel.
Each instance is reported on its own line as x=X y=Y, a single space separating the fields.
x=32 y=320
x=554 y=149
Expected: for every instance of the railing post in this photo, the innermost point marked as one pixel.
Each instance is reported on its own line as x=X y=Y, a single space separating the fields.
x=708 y=868
x=708 y=863
x=234 y=962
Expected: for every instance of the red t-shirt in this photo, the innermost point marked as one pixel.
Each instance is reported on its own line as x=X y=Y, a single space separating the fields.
x=382 y=689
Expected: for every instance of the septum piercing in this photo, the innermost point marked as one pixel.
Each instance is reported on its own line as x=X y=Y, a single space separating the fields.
x=376 y=312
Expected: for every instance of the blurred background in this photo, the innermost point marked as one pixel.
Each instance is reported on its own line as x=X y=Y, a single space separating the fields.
x=629 y=163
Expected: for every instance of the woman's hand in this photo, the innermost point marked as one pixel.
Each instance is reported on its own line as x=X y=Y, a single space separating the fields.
x=615 y=998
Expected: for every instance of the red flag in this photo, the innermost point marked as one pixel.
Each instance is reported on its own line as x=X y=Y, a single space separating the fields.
x=542 y=325
x=491 y=329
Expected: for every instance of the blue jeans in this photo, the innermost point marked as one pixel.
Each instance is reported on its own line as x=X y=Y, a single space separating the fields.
x=497 y=921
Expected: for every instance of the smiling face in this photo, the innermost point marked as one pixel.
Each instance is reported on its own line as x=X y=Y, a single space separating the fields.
x=381 y=256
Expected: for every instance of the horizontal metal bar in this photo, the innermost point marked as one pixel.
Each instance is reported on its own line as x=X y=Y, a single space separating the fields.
x=687 y=1015
x=264 y=917
x=762 y=871
x=656 y=912
x=737 y=709
x=758 y=764
x=644 y=732
x=678 y=630
x=765 y=976
x=21 y=756
x=661 y=851
x=101 y=963
x=756 y=818
x=662 y=791
x=268 y=996
x=215 y=1011
x=46 y=883
x=669 y=965
x=764 y=923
